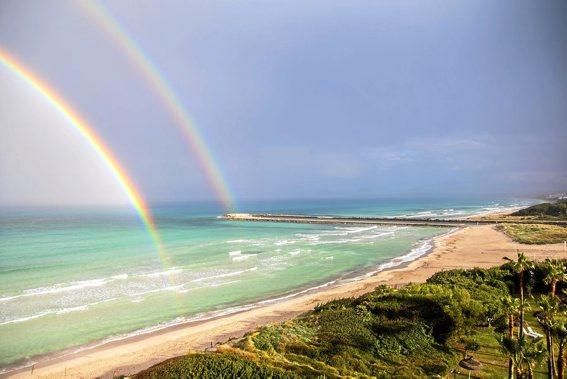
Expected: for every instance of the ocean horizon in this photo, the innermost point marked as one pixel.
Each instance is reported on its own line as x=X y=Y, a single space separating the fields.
x=71 y=276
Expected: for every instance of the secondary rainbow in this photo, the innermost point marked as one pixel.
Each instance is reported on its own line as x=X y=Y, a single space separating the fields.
x=95 y=142
x=142 y=63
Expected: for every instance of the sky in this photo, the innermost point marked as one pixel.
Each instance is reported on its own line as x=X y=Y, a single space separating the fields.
x=295 y=99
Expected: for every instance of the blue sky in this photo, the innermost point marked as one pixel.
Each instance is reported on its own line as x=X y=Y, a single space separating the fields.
x=297 y=99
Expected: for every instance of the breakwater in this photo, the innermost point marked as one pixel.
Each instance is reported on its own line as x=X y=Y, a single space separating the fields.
x=349 y=220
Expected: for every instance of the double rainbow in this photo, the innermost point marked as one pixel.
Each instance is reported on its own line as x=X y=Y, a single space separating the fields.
x=95 y=142
x=156 y=81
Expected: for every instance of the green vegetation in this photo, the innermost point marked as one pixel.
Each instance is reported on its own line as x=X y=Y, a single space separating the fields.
x=535 y=233
x=421 y=330
x=545 y=210
x=213 y=365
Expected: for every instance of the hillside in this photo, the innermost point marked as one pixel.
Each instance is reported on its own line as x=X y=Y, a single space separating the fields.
x=545 y=210
x=421 y=330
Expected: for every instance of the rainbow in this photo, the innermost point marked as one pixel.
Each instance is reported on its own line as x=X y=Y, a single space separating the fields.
x=142 y=63
x=95 y=142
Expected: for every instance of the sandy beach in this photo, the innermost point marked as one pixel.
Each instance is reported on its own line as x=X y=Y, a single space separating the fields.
x=474 y=246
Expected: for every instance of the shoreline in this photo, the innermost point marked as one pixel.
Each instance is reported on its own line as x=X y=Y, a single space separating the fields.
x=133 y=354
x=421 y=248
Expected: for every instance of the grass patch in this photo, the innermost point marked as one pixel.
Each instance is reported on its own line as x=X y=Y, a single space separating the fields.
x=535 y=234
x=214 y=366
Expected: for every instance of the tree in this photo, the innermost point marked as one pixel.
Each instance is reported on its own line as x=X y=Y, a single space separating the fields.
x=513 y=349
x=549 y=308
x=520 y=266
x=560 y=334
x=555 y=273
x=523 y=353
x=511 y=309
x=533 y=354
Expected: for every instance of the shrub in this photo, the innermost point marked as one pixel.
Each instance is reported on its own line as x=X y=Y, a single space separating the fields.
x=213 y=366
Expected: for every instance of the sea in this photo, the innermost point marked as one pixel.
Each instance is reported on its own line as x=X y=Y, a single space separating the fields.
x=75 y=278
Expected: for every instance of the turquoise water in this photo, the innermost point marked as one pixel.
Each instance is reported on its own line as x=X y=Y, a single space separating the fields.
x=71 y=277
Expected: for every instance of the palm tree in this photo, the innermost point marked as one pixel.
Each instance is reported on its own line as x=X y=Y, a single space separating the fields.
x=533 y=354
x=520 y=266
x=549 y=308
x=524 y=353
x=513 y=349
x=560 y=333
x=555 y=273
x=511 y=309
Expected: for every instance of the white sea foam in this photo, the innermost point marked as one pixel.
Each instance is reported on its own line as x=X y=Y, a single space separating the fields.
x=240 y=258
x=170 y=271
x=414 y=253
x=352 y=230
x=56 y=288
x=237 y=256
x=27 y=318
x=72 y=286
x=417 y=251
x=435 y=213
x=120 y=277
x=284 y=242
x=8 y=298
x=225 y=275
x=76 y=286
x=295 y=252
x=173 y=288
x=61 y=311
x=276 y=262
x=421 y=214
x=312 y=237
x=244 y=241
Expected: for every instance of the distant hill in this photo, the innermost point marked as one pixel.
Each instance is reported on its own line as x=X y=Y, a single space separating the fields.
x=557 y=209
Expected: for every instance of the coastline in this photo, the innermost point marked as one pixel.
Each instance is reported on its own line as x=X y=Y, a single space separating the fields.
x=421 y=248
x=461 y=247
x=473 y=246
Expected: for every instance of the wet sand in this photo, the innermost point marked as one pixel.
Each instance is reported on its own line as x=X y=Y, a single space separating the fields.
x=473 y=246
